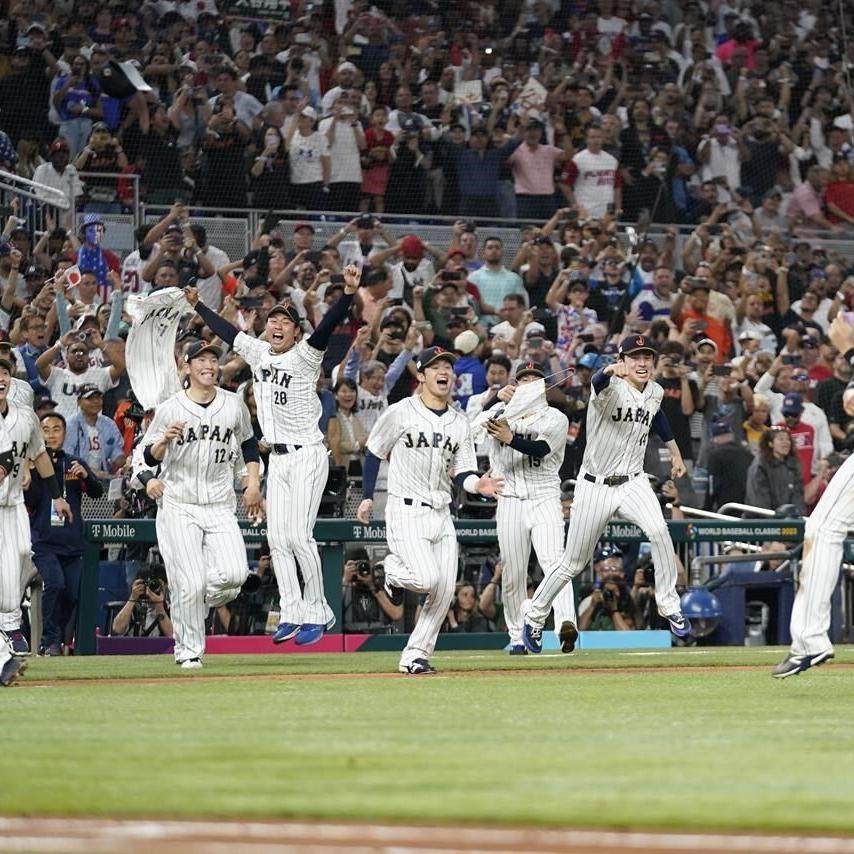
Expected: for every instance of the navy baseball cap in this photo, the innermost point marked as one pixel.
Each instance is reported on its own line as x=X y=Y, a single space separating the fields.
x=721 y=428
x=289 y=311
x=198 y=347
x=606 y=552
x=636 y=344
x=433 y=354
x=530 y=370
x=89 y=390
x=793 y=404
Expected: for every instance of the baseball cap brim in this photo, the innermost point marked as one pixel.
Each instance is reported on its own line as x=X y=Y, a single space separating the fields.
x=447 y=356
x=527 y=372
x=210 y=348
x=651 y=350
x=289 y=311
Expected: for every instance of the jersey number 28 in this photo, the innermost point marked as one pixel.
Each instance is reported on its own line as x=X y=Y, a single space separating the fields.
x=280 y=398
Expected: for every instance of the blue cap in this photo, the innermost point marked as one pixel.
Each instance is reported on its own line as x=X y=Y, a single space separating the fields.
x=636 y=344
x=721 y=428
x=793 y=404
x=589 y=361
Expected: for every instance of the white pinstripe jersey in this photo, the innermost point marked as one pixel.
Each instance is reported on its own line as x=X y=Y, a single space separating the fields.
x=524 y=476
x=25 y=434
x=199 y=467
x=423 y=446
x=285 y=387
x=618 y=424
x=21 y=392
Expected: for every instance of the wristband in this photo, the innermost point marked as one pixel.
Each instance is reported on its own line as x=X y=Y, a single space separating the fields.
x=53 y=487
x=144 y=477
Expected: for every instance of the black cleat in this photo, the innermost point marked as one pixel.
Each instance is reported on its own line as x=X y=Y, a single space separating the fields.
x=567 y=635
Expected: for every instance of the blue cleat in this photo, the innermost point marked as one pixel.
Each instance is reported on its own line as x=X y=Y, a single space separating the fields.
x=679 y=625
x=285 y=632
x=518 y=649
x=532 y=638
x=794 y=664
x=310 y=633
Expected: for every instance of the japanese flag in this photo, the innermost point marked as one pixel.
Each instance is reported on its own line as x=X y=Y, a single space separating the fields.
x=72 y=277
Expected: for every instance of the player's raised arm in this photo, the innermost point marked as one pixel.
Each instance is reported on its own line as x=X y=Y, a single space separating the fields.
x=218 y=325
x=319 y=339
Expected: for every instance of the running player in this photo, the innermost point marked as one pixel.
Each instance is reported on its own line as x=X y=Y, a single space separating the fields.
x=824 y=536
x=195 y=438
x=624 y=404
x=20 y=392
x=26 y=442
x=426 y=438
x=285 y=369
x=528 y=454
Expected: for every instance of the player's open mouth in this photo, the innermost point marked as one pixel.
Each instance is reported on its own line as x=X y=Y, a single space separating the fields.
x=277 y=337
x=442 y=382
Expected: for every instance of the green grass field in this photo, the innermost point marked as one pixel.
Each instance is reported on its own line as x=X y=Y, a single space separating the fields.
x=681 y=739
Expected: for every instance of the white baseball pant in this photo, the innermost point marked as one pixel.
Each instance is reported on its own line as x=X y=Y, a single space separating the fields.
x=205 y=560
x=15 y=552
x=5 y=650
x=824 y=535
x=422 y=558
x=522 y=523
x=593 y=506
x=295 y=484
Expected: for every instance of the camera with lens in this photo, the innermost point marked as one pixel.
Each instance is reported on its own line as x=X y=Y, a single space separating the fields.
x=609 y=598
x=363 y=569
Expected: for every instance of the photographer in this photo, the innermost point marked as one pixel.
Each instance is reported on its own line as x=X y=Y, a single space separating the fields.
x=146 y=614
x=366 y=606
x=610 y=608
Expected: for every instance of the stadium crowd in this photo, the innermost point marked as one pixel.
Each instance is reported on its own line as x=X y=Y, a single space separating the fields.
x=729 y=124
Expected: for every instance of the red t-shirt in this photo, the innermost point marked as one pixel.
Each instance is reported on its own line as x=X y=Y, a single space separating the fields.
x=841 y=194
x=803 y=435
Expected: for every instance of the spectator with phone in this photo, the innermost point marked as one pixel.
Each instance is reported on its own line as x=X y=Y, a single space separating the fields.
x=357 y=240
x=681 y=395
x=694 y=319
x=567 y=300
x=727 y=462
x=345 y=144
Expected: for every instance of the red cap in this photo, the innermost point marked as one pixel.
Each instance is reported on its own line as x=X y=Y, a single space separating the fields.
x=411 y=247
x=300 y=225
x=456 y=251
x=59 y=144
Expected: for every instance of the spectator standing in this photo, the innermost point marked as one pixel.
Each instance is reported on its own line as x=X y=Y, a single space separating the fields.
x=681 y=395
x=492 y=278
x=469 y=370
x=591 y=180
x=64 y=384
x=346 y=433
x=308 y=153
x=727 y=463
x=270 y=172
x=104 y=155
x=59 y=173
x=223 y=178
x=245 y=106
x=57 y=542
x=805 y=213
x=774 y=477
x=92 y=437
x=76 y=97
x=533 y=167
x=376 y=161
x=345 y=144
x=803 y=435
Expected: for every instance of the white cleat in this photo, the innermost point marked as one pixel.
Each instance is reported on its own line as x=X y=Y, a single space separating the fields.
x=191 y=664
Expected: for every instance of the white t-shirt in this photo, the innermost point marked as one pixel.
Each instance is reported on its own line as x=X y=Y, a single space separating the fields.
x=132 y=281
x=305 y=153
x=344 y=152
x=210 y=289
x=64 y=385
x=593 y=178
x=422 y=275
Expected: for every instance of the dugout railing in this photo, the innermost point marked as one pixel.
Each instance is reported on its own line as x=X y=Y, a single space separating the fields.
x=333 y=534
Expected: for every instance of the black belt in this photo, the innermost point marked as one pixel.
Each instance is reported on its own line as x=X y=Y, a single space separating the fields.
x=284 y=449
x=611 y=480
x=410 y=502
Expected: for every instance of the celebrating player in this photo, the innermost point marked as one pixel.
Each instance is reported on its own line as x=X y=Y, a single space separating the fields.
x=285 y=369
x=194 y=439
x=624 y=404
x=527 y=453
x=24 y=435
x=425 y=438
x=824 y=536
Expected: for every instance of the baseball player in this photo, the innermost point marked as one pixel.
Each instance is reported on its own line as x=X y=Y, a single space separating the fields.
x=20 y=392
x=24 y=435
x=624 y=405
x=11 y=667
x=527 y=454
x=285 y=370
x=425 y=438
x=194 y=439
x=824 y=536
